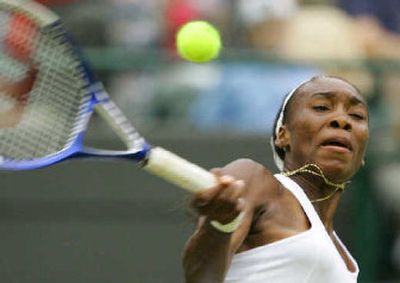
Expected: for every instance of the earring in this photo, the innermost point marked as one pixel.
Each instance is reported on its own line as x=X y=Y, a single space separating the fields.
x=363 y=163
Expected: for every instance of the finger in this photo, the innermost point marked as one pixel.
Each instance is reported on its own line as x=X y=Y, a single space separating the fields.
x=240 y=204
x=219 y=199
x=225 y=205
x=210 y=193
x=238 y=189
x=226 y=180
x=217 y=171
x=201 y=199
x=232 y=192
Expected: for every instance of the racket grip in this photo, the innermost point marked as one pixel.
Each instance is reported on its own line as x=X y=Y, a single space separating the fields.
x=178 y=171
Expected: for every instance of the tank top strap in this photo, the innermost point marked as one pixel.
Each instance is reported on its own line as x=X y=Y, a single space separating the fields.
x=304 y=201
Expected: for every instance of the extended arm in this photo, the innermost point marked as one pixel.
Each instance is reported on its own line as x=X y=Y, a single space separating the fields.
x=209 y=252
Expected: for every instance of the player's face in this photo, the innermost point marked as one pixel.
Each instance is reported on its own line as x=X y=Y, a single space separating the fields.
x=328 y=125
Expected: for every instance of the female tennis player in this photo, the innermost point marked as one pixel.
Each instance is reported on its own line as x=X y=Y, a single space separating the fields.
x=259 y=227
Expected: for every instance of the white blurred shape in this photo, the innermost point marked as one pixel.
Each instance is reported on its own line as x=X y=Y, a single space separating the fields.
x=6 y=103
x=254 y=12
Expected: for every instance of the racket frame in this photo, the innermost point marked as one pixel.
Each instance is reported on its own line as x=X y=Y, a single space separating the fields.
x=157 y=161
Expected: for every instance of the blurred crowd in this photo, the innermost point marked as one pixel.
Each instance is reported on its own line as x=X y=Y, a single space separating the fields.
x=357 y=28
x=279 y=44
x=331 y=36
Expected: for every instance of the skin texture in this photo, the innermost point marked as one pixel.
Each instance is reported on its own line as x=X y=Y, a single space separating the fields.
x=323 y=110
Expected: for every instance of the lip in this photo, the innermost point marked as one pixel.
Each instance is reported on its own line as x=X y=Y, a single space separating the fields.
x=337 y=144
x=337 y=149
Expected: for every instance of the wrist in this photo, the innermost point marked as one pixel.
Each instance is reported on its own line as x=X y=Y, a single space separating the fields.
x=228 y=227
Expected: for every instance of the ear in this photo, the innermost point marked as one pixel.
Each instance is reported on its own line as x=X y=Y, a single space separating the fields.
x=283 y=138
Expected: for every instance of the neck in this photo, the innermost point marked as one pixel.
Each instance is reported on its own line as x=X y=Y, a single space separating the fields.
x=316 y=189
x=322 y=192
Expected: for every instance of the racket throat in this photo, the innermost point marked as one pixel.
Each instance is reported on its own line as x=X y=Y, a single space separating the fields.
x=133 y=154
x=114 y=117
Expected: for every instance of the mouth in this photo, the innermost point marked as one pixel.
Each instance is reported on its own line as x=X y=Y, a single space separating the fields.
x=338 y=144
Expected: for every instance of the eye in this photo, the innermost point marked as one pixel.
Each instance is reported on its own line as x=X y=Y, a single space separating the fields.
x=357 y=116
x=320 y=108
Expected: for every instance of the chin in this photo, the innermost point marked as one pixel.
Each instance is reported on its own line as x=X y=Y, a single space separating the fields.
x=337 y=170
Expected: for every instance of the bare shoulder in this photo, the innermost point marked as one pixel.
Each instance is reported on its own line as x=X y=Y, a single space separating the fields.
x=245 y=168
x=260 y=182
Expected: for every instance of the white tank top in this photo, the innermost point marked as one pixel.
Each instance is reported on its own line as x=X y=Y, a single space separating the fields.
x=308 y=257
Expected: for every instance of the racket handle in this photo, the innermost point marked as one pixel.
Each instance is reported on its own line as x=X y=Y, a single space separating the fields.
x=178 y=171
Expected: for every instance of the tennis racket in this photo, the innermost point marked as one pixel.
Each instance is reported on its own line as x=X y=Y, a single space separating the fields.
x=48 y=94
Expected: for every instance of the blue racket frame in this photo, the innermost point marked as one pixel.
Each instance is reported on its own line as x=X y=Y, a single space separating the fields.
x=77 y=148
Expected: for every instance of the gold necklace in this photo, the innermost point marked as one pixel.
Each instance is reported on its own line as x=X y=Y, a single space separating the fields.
x=320 y=173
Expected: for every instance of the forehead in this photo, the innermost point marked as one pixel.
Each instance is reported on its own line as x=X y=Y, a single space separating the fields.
x=332 y=86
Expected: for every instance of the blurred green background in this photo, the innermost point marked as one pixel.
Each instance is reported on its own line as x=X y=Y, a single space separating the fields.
x=107 y=221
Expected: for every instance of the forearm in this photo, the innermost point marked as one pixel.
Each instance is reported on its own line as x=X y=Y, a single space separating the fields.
x=207 y=255
x=209 y=251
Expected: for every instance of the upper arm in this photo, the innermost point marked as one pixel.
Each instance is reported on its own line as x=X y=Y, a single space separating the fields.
x=208 y=252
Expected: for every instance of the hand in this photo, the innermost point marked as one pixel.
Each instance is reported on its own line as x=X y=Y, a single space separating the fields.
x=222 y=203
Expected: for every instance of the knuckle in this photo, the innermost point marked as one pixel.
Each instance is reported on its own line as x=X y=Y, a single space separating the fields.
x=216 y=171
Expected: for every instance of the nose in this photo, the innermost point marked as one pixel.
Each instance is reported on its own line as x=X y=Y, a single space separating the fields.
x=340 y=122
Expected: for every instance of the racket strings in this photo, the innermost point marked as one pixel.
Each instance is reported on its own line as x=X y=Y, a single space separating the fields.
x=55 y=107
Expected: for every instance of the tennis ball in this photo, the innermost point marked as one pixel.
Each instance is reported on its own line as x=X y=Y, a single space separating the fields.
x=198 y=42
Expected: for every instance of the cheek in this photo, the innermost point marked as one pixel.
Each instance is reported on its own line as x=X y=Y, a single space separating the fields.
x=301 y=136
x=362 y=137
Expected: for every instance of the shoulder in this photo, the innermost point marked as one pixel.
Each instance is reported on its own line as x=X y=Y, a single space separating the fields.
x=245 y=168
x=260 y=181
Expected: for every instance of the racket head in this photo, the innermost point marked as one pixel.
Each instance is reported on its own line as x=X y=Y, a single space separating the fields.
x=47 y=91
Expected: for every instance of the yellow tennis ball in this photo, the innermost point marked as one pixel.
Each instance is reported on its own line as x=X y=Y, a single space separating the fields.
x=198 y=42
